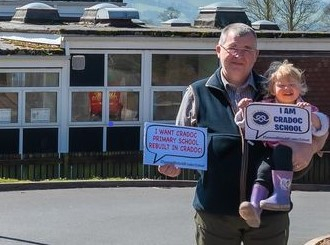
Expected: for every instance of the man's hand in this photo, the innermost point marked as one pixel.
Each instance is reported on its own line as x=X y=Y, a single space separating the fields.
x=169 y=170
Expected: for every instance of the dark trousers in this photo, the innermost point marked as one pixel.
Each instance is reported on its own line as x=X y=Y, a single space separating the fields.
x=232 y=230
x=282 y=158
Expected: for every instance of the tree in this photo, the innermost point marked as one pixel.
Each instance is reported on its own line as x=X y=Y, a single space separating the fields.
x=291 y=15
x=325 y=18
x=261 y=9
x=170 y=13
x=298 y=14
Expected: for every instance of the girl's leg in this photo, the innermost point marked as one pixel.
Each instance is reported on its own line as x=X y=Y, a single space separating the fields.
x=251 y=211
x=282 y=178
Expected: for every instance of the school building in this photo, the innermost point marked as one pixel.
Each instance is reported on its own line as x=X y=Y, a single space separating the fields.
x=80 y=79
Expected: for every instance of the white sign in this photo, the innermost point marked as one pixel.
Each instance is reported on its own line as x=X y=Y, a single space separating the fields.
x=185 y=147
x=5 y=115
x=278 y=122
x=40 y=115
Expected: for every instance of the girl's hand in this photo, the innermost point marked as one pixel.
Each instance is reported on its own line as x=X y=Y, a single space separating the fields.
x=303 y=104
x=243 y=103
x=316 y=122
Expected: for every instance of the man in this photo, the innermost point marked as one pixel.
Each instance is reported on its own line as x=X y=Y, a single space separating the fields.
x=232 y=161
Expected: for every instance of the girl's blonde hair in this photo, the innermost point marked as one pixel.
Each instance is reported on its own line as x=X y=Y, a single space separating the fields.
x=279 y=70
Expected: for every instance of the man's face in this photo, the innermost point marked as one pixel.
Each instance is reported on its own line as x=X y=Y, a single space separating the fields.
x=237 y=57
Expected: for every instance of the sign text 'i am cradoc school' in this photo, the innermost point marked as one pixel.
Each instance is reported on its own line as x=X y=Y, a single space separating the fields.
x=278 y=122
x=185 y=147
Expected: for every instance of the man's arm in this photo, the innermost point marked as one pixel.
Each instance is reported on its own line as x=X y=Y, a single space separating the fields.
x=186 y=117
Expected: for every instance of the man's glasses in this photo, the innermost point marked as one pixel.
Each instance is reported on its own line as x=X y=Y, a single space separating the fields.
x=238 y=51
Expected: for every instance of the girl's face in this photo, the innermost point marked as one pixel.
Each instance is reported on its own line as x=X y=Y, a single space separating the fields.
x=287 y=91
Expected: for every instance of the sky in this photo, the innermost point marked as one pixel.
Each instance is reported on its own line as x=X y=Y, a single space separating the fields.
x=196 y=3
x=150 y=10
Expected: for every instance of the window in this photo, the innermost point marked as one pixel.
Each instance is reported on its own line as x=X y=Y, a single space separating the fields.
x=100 y=99
x=124 y=84
x=8 y=108
x=40 y=140
x=123 y=106
x=29 y=97
x=86 y=106
x=123 y=138
x=9 y=141
x=92 y=74
x=116 y=92
x=119 y=98
x=166 y=104
x=171 y=74
x=85 y=139
x=181 y=69
x=29 y=79
x=40 y=107
x=124 y=70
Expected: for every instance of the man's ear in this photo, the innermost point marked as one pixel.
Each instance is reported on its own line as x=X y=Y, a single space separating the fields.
x=257 y=54
x=217 y=49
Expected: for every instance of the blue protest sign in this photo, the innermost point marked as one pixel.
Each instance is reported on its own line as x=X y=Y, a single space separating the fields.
x=186 y=147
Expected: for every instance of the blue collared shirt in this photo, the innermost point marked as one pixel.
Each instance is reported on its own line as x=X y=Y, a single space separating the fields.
x=247 y=90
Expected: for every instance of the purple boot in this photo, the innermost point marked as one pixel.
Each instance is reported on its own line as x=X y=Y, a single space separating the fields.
x=280 y=199
x=251 y=211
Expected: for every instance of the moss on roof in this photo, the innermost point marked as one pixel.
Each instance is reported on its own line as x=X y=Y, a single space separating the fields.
x=11 y=47
x=104 y=30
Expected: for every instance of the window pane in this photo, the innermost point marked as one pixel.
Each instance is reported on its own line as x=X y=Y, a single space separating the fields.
x=9 y=141
x=29 y=79
x=124 y=70
x=40 y=107
x=85 y=139
x=86 y=106
x=123 y=138
x=181 y=69
x=41 y=79
x=6 y=80
x=40 y=140
x=92 y=74
x=8 y=107
x=123 y=106
x=166 y=105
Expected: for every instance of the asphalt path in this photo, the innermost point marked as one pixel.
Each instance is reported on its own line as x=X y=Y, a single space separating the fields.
x=128 y=216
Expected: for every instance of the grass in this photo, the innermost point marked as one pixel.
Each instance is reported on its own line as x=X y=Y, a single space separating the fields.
x=5 y=180
x=9 y=180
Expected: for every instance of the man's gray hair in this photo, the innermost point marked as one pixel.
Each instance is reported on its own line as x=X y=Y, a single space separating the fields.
x=238 y=29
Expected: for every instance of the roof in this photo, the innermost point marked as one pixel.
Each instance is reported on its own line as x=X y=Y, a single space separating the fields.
x=143 y=30
x=54 y=32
